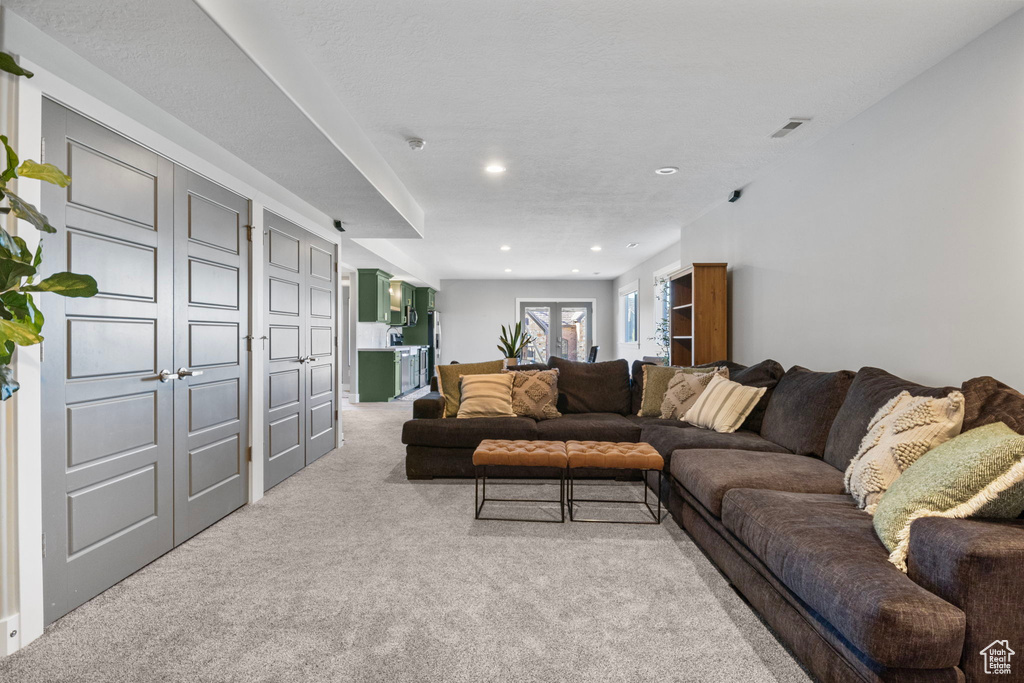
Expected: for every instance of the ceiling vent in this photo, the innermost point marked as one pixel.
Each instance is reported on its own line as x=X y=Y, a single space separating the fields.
x=789 y=127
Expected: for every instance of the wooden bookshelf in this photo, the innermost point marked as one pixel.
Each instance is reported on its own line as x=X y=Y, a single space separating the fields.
x=699 y=323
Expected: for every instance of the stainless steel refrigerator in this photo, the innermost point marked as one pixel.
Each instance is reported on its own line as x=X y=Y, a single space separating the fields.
x=434 y=339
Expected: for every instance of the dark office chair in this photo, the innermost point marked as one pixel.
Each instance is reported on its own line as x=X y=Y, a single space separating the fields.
x=592 y=356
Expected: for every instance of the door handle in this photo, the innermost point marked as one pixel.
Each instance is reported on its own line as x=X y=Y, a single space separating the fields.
x=166 y=376
x=310 y=359
x=185 y=372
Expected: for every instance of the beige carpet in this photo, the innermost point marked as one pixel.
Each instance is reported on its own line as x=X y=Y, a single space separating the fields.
x=348 y=572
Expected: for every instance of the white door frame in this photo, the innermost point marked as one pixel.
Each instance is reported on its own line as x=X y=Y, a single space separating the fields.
x=564 y=300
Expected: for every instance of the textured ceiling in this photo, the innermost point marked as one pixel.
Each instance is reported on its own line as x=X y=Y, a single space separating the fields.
x=169 y=52
x=581 y=100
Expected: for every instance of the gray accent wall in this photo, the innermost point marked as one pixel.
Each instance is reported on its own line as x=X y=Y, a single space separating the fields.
x=897 y=241
x=473 y=311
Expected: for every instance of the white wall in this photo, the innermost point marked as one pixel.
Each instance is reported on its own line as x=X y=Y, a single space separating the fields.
x=897 y=241
x=473 y=311
x=644 y=276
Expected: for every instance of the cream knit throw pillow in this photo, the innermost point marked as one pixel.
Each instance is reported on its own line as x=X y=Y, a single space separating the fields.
x=683 y=391
x=486 y=396
x=724 y=405
x=902 y=431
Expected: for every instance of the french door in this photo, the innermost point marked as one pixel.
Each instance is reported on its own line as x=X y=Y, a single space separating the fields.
x=144 y=390
x=559 y=328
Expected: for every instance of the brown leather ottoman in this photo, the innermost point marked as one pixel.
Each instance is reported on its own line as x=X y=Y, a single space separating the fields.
x=612 y=455
x=519 y=454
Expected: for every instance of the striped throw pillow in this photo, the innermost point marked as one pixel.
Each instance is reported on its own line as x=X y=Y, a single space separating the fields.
x=724 y=405
x=486 y=396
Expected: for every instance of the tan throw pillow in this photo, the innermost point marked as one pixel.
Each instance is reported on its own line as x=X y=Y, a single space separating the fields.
x=656 y=381
x=535 y=393
x=448 y=381
x=901 y=431
x=486 y=396
x=724 y=405
x=683 y=391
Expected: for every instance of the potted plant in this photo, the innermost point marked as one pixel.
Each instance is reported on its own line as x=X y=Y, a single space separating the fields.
x=512 y=342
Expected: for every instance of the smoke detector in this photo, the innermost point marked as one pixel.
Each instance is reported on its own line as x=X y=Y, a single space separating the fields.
x=415 y=144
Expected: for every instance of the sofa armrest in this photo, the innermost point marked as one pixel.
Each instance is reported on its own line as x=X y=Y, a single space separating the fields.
x=975 y=564
x=430 y=407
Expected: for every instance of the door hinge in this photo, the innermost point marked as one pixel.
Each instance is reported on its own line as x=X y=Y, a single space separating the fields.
x=335 y=414
x=40 y=352
x=44 y=545
x=248 y=232
x=249 y=453
x=42 y=150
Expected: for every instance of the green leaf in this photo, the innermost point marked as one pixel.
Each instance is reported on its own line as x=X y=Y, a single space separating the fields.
x=22 y=307
x=11 y=169
x=8 y=64
x=12 y=271
x=7 y=352
x=38 y=258
x=8 y=385
x=45 y=172
x=27 y=212
x=21 y=333
x=66 y=284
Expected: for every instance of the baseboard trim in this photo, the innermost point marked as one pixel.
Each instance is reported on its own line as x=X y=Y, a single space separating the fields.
x=10 y=635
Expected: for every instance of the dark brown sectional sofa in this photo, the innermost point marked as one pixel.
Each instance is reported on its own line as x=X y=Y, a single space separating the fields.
x=766 y=504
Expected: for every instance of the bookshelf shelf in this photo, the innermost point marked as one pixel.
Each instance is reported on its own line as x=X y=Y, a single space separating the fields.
x=698 y=324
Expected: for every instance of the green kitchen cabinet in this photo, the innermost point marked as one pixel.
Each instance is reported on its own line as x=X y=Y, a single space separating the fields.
x=401 y=300
x=418 y=334
x=374 y=296
x=430 y=298
x=380 y=375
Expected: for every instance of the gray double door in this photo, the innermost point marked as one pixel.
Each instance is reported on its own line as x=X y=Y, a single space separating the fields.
x=145 y=396
x=301 y=403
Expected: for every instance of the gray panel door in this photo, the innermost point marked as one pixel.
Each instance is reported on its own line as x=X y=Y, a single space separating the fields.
x=211 y=324
x=320 y=367
x=301 y=324
x=287 y=300
x=108 y=436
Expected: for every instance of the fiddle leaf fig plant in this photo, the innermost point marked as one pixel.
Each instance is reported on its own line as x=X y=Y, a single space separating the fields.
x=21 y=321
x=513 y=340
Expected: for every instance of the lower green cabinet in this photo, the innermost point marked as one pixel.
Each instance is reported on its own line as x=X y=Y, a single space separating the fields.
x=380 y=375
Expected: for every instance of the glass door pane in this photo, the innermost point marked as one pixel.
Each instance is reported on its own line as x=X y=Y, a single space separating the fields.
x=575 y=336
x=537 y=322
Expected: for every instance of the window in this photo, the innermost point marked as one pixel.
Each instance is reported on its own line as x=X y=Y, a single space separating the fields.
x=630 y=308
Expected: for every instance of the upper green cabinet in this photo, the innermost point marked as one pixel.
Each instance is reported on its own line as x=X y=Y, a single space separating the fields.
x=430 y=298
x=374 y=296
x=401 y=300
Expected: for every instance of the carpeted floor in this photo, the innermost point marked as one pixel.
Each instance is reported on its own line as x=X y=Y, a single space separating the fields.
x=348 y=572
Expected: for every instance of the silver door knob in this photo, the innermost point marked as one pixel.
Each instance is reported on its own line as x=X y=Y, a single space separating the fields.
x=166 y=376
x=185 y=372
x=310 y=359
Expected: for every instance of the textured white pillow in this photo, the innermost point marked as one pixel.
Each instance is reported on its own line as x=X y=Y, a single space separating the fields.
x=724 y=405
x=901 y=431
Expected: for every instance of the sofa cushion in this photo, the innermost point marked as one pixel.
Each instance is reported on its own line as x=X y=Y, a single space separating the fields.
x=709 y=474
x=668 y=439
x=824 y=549
x=467 y=433
x=871 y=389
x=765 y=374
x=657 y=422
x=803 y=407
x=589 y=427
x=448 y=379
x=592 y=387
x=724 y=405
x=636 y=385
x=987 y=400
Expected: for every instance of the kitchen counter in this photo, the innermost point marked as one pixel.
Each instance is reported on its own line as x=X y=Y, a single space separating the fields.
x=395 y=348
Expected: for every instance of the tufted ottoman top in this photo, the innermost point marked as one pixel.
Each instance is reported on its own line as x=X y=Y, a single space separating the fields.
x=609 y=454
x=521 y=453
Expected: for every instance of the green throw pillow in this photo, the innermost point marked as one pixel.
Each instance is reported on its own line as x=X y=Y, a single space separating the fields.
x=977 y=474
x=449 y=383
x=656 y=379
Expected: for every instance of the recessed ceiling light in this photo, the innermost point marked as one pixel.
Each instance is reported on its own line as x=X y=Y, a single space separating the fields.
x=575 y=270
x=667 y=170
x=632 y=245
x=508 y=270
x=595 y=248
x=505 y=247
x=495 y=168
